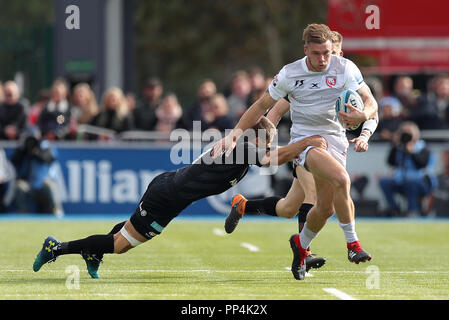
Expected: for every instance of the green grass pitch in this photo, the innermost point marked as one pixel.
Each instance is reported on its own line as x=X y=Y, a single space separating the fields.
x=193 y=260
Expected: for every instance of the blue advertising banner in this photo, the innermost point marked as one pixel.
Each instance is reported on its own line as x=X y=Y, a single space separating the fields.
x=95 y=179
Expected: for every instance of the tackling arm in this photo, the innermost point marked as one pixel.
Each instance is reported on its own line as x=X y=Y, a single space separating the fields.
x=284 y=154
x=248 y=120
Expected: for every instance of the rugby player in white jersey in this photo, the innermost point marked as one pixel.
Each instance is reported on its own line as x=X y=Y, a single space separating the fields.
x=302 y=195
x=312 y=84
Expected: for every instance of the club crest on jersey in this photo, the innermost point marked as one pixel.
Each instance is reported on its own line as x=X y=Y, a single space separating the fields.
x=331 y=81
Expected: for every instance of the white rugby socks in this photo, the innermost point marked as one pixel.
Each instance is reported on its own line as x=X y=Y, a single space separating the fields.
x=349 y=231
x=306 y=236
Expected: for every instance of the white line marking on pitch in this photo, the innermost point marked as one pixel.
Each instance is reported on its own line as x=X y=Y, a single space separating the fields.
x=339 y=294
x=250 y=247
x=218 y=232
x=307 y=274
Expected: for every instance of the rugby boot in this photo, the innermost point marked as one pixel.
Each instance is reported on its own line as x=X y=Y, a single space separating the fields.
x=93 y=263
x=237 y=212
x=356 y=253
x=299 y=258
x=46 y=254
x=312 y=261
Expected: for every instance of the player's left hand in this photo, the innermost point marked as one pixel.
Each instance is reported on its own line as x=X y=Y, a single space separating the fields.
x=353 y=117
x=360 y=144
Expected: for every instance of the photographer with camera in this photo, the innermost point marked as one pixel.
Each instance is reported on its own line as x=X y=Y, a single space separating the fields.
x=36 y=189
x=412 y=177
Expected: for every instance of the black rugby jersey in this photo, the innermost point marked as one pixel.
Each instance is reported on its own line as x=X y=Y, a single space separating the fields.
x=207 y=176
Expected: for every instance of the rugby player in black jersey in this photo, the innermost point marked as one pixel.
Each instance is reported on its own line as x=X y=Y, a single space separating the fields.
x=171 y=192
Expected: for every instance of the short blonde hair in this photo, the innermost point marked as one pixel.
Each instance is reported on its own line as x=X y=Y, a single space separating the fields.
x=336 y=37
x=316 y=33
x=122 y=109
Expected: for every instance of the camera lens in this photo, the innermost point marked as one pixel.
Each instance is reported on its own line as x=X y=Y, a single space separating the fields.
x=406 y=137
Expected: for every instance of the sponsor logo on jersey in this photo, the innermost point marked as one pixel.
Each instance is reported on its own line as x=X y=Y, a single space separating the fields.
x=315 y=85
x=299 y=83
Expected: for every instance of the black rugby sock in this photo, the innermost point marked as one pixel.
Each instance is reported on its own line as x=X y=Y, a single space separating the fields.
x=302 y=214
x=117 y=227
x=265 y=206
x=96 y=244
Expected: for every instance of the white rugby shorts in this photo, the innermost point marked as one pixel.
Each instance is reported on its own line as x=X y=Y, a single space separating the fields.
x=337 y=147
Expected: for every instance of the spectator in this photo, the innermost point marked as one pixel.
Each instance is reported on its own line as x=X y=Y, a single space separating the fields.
x=169 y=114
x=440 y=198
x=13 y=118
x=412 y=162
x=36 y=108
x=2 y=95
x=240 y=91
x=403 y=90
x=200 y=109
x=258 y=85
x=54 y=119
x=114 y=113
x=145 y=112
x=219 y=111
x=438 y=100
x=7 y=182
x=415 y=108
x=390 y=115
x=36 y=189
x=84 y=104
x=131 y=101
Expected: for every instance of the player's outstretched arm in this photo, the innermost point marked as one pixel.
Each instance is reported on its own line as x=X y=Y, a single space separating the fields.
x=278 y=111
x=284 y=154
x=248 y=120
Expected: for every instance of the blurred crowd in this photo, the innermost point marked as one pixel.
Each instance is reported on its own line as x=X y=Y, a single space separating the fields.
x=64 y=113
x=60 y=111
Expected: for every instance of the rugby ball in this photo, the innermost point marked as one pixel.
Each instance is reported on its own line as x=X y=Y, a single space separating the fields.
x=351 y=97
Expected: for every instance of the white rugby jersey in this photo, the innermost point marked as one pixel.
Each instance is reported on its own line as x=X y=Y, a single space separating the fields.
x=312 y=95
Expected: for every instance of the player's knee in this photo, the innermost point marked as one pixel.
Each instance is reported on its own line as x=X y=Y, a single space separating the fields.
x=341 y=180
x=121 y=244
x=286 y=210
x=123 y=249
x=325 y=209
x=290 y=212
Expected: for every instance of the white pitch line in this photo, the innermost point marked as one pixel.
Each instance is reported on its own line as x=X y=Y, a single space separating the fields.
x=250 y=246
x=218 y=232
x=286 y=269
x=307 y=274
x=339 y=294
